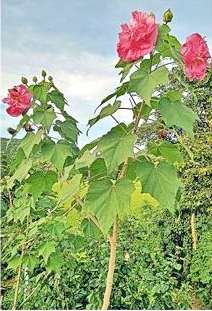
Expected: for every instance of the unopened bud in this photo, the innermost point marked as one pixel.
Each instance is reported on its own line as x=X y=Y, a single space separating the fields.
x=35 y=79
x=162 y=133
x=24 y=80
x=43 y=73
x=167 y=16
x=28 y=127
x=11 y=131
x=50 y=78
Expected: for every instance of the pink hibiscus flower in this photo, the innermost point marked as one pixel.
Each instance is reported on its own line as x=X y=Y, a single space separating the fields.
x=18 y=100
x=138 y=37
x=195 y=56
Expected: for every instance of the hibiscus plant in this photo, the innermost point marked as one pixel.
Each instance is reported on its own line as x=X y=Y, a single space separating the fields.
x=99 y=179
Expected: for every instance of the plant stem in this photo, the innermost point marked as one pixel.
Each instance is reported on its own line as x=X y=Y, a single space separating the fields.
x=109 y=282
x=113 y=246
x=15 y=301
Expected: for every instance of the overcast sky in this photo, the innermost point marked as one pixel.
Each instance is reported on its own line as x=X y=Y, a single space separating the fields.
x=75 y=42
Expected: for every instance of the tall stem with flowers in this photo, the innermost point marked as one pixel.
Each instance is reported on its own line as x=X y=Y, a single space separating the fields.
x=100 y=179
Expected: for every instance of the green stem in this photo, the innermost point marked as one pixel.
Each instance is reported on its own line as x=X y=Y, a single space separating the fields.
x=15 y=301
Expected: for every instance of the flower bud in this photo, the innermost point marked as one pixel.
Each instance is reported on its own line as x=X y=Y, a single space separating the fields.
x=24 y=80
x=43 y=73
x=167 y=16
x=50 y=78
x=11 y=130
x=28 y=127
x=162 y=133
x=35 y=79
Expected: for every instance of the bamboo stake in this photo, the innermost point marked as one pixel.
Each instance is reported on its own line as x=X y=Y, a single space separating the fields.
x=193 y=232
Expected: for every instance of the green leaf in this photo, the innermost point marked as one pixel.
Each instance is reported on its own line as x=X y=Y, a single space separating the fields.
x=20 y=156
x=148 y=63
x=77 y=241
x=116 y=145
x=176 y=113
x=110 y=109
x=67 y=129
x=144 y=110
x=144 y=83
x=45 y=117
x=177 y=266
x=30 y=261
x=98 y=169
x=122 y=64
x=29 y=141
x=14 y=263
x=105 y=200
x=174 y=95
x=56 y=228
x=25 y=119
x=40 y=91
x=105 y=112
x=40 y=182
x=163 y=30
x=90 y=146
x=45 y=249
x=20 y=173
x=131 y=170
x=92 y=121
x=21 y=213
x=57 y=98
x=160 y=181
x=68 y=189
x=168 y=46
x=121 y=90
x=55 y=263
x=89 y=228
x=167 y=150
x=56 y=153
x=85 y=160
x=126 y=68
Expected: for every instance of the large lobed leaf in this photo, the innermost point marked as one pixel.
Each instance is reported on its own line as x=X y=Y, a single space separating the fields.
x=160 y=181
x=106 y=199
x=67 y=129
x=29 y=141
x=57 y=98
x=45 y=117
x=176 y=113
x=40 y=181
x=144 y=83
x=68 y=189
x=167 y=150
x=116 y=145
x=45 y=250
x=20 y=173
x=56 y=152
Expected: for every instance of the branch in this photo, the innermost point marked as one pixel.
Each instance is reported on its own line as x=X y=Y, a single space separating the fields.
x=89 y=215
x=95 y=221
x=124 y=169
